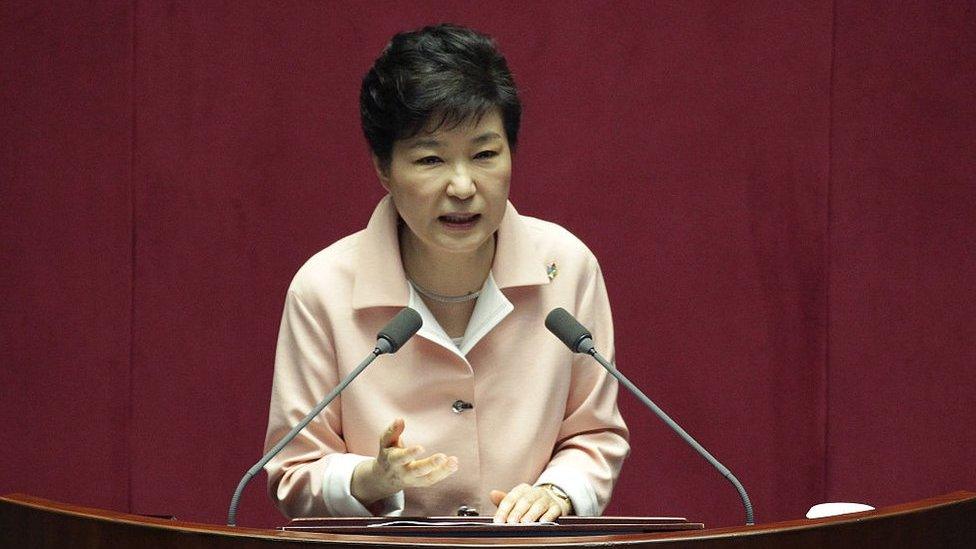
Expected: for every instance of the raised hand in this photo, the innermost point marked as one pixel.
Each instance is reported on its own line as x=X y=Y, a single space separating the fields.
x=397 y=467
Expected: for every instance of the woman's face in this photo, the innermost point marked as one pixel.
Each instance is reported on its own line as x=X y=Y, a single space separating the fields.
x=451 y=186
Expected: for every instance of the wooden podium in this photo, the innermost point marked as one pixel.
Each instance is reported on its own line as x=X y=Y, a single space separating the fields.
x=947 y=521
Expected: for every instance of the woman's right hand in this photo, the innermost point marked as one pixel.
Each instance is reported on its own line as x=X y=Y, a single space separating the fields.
x=397 y=467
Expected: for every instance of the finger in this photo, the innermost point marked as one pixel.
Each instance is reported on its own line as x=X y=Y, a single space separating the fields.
x=392 y=434
x=421 y=467
x=440 y=473
x=402 y=456
x=505 y=507
x=552 y=514
x=496 y=497
x=536 y=510
x=520 y=508
x=508 y=501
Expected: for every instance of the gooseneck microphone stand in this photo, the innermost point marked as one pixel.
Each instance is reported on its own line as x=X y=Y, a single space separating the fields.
x=579 y=340
x=403 y=326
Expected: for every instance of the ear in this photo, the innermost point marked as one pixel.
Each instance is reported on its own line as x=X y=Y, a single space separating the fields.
x=381 y=174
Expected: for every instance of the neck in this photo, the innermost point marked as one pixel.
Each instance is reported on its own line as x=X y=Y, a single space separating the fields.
x=448 y=274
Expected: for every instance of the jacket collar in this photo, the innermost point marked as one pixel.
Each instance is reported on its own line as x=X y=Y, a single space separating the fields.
x=380 y=280
x=518 y=260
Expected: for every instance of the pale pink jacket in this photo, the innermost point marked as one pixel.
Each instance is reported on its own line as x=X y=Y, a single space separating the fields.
x=540 y=414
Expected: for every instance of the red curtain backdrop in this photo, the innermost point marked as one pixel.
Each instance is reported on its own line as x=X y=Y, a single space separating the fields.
x=781 y=196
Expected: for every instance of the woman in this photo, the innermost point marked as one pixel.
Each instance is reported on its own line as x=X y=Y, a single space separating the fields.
x=518 y=425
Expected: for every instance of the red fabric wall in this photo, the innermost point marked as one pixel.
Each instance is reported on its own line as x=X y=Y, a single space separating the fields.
x=66 y=232
x=902 y=343
x=781 y=196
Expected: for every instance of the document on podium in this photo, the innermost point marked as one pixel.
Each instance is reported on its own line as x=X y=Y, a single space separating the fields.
x=450 y=523
x=485 y=527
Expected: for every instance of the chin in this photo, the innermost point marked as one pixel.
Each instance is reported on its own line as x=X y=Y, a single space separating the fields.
x=466 y=245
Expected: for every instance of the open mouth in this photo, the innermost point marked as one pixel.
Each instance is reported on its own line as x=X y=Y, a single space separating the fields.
x=459 y=221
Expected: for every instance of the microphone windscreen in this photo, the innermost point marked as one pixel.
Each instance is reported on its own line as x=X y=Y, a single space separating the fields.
x=566 y=328
x=401 y=328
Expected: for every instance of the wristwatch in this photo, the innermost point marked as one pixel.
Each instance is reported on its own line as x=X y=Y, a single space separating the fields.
x=558 y=493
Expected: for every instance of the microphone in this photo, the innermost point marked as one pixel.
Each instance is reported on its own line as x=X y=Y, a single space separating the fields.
x=569 y=330
x=400 y=329
x=579 y=340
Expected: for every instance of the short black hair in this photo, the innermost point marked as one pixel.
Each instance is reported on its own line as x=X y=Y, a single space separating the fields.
x=445 y=71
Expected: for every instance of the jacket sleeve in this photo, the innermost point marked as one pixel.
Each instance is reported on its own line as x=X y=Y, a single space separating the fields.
x=311 y=475
x=592 y=441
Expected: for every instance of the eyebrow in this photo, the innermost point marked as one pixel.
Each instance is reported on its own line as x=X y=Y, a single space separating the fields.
x=425 y=144
x=485 y=137
x=433 y=143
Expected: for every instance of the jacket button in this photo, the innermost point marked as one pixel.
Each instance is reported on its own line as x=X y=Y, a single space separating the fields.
x=460 y=406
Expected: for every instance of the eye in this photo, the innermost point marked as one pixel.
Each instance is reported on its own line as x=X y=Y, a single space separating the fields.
x=486 y=154
x=428 y=161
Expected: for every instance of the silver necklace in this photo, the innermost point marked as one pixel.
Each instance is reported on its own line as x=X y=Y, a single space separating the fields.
x=443 y=298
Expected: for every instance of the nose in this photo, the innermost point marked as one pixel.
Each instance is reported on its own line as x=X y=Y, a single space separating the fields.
x=461 y=184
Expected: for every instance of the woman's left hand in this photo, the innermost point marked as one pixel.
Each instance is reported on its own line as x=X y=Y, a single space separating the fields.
x=526 y=503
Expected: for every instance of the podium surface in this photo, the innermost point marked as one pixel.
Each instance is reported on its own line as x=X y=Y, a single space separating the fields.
x=943 y=521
